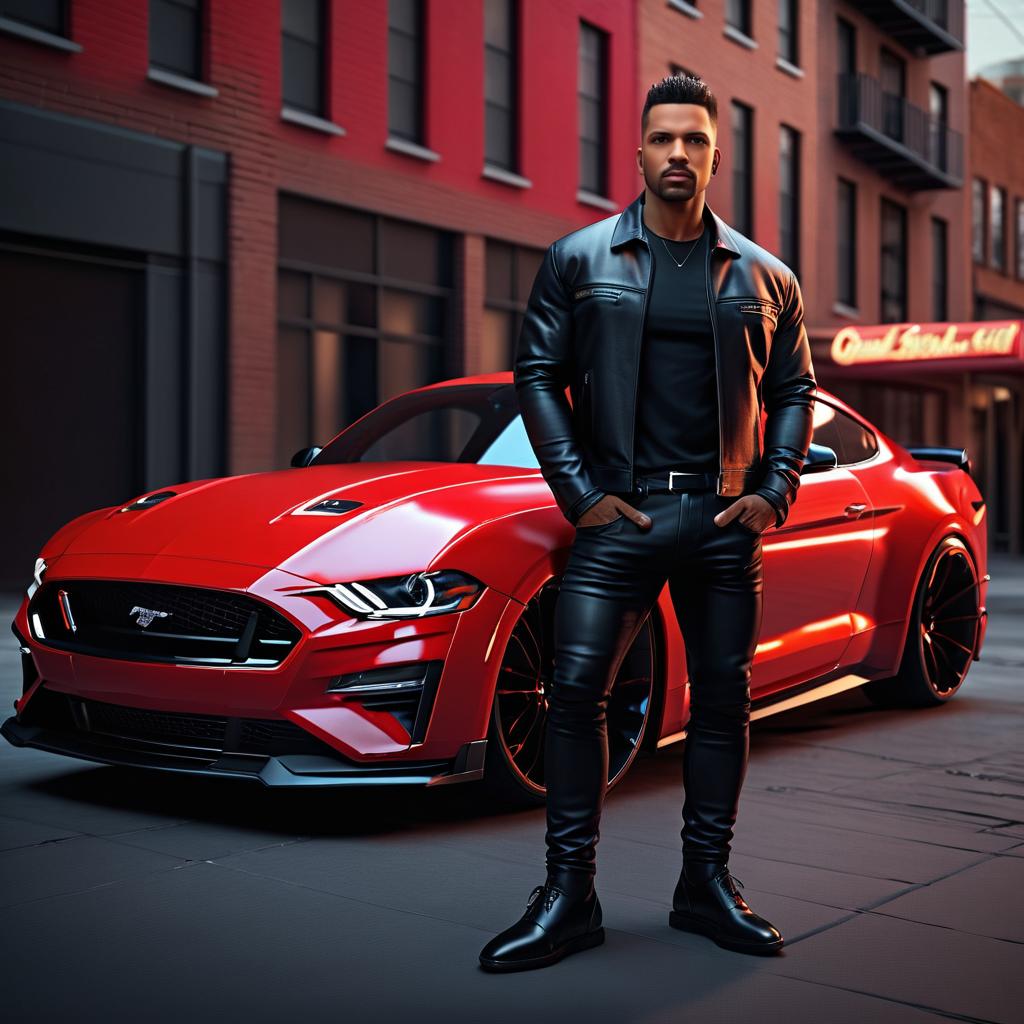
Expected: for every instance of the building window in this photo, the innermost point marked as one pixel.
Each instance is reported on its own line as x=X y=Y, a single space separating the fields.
x=1020 y=239
x=405 y=70
x=893 y=81
x=789 y=197
x=500 y=86
x=846 y=64
x=846 y=241
x=175 y=37
x=940 y=269
x=846 y=47
x=302 y=56
x=737 y=16
x=45 y=15
x=788 y=42
x=894 y=262
x=593 y=109
x=978 y=188
x=938 y=125
x=997 y=227
x=511 y=270
x=742 y=168
x=680 y=69
x=364 y=313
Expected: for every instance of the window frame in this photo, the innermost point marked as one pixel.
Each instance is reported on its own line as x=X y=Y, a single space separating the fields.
x=322 y=110
x=787 y=131
x=512 y=54
x=997 y=229
x=601 y=179
x=903 y=218
x=792 y=56
x=743 y=169
x=979 y=220
x=847 y=231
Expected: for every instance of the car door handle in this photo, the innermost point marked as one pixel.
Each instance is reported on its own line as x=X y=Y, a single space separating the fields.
x=855 y=510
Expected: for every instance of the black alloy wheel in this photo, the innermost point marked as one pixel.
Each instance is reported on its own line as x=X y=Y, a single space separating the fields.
x=943 y=634
x=514 y=769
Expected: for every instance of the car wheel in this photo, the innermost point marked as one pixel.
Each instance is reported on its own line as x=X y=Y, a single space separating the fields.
x=942 y=636
x=514 y=765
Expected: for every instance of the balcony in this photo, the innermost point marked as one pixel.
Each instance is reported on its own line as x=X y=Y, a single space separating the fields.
x=902 y=142
x=924 y=27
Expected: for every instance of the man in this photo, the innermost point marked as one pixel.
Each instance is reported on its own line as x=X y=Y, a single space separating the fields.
x=671 y=329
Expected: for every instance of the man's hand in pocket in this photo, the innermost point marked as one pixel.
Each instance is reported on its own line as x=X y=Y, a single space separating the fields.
x=608 y=509
x=753 y=511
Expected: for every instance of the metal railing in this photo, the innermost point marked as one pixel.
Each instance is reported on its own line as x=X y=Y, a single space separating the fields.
x=863 y=101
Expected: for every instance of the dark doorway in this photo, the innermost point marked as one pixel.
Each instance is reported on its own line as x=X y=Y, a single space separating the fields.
x=69 y=394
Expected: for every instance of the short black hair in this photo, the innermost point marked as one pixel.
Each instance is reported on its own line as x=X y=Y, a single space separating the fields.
x=681 y=89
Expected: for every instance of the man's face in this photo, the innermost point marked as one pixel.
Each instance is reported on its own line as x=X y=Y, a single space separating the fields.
x=677 y=153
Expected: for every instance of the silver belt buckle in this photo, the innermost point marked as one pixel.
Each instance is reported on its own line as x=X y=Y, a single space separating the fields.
x=673 y=473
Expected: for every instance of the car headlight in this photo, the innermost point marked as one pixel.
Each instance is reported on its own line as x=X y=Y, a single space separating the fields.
x=410 y=596
x=37 y=576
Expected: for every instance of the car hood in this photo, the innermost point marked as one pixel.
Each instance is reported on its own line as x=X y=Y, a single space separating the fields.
x=404 y=513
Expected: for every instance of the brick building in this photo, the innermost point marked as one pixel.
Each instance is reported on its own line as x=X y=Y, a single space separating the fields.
x=227 y=228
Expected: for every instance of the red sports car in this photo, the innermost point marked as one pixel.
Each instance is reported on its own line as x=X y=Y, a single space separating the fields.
x=381 y=612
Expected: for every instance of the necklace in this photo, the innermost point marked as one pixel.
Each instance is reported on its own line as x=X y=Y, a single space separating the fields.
x=696 y=242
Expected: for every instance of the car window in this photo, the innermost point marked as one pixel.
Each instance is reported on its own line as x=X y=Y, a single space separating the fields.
x=833 y=428
x=463 y=423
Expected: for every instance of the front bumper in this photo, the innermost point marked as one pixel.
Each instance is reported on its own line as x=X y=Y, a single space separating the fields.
x=203 y=745
x=360 y=738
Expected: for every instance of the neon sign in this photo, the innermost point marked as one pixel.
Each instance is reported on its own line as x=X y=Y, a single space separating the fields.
x=887 y=343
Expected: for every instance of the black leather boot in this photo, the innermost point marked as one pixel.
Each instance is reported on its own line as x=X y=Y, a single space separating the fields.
x=556 y=923
x=707 y=901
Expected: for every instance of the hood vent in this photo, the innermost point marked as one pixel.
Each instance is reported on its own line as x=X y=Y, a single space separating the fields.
x=149 y=501
x=333 y=506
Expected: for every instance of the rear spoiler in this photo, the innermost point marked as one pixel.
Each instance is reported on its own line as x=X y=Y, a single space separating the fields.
x=957 y=456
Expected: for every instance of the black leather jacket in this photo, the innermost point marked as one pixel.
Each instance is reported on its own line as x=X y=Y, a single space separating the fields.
x=583 y=328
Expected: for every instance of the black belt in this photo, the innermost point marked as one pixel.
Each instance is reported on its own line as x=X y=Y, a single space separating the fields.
x=674 y=482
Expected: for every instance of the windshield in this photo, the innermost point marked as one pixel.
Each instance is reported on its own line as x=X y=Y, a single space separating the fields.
x=464 y=423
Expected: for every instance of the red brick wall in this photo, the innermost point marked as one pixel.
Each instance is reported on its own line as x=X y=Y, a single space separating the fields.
x=107 y=82
x=997 y=156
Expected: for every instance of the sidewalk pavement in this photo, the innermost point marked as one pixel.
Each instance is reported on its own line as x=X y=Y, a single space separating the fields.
x=888 y=847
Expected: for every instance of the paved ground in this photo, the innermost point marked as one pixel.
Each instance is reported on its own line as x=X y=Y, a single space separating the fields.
x=888 y=847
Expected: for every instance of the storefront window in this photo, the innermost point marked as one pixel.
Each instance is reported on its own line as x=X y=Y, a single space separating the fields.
x=363 y=313
x=511 y=270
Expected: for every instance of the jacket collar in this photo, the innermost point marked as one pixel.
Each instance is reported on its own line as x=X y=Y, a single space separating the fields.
x=630 y=226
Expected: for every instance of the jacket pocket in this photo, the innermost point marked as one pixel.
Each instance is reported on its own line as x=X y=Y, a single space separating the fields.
x=757 y=307
x=603 y=290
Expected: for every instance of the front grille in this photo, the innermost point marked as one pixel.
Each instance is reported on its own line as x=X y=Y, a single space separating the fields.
x=183 y=625
x=169 y=732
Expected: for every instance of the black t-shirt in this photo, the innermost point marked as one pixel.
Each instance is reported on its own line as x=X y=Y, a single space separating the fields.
x=677 y=403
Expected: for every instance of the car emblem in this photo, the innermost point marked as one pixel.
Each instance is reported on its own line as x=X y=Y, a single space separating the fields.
x=147 y=615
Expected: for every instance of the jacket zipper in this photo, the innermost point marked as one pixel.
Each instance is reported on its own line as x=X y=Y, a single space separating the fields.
x=636 y=374
x=718 y=378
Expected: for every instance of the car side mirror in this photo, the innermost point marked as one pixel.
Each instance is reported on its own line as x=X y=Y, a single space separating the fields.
x=820 y=458
x=304 y=456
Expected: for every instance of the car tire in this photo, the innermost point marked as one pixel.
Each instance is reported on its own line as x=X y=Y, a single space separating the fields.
x=517 y=781
x=942 y=636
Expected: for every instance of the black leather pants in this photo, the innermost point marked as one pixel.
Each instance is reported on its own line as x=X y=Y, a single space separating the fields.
x=614 y=575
